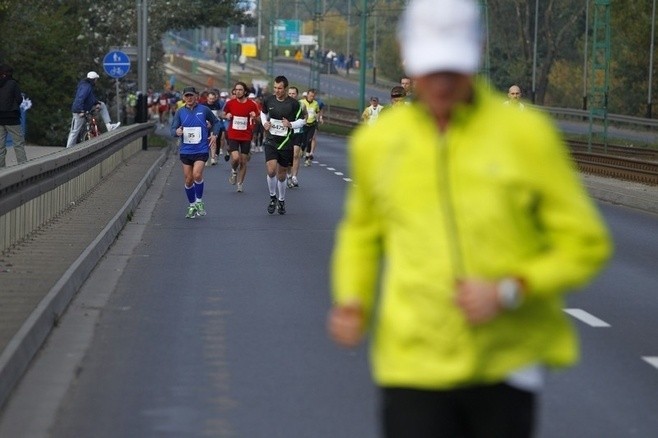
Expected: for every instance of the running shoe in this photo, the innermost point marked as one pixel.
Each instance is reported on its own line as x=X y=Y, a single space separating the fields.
x=282 y=207
x=272 y=206
x=295 y=183
x=233 y=177
x=307 y=162
x=289 y=182
x=191 y=212
x=240 y=188
x=200 y=208
x=213 y=161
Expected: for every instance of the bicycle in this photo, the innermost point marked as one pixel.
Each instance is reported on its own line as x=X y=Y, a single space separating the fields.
x=90 y=129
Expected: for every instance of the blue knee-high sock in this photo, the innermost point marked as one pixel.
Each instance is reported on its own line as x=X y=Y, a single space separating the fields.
x=198 y=189
x=189 y=192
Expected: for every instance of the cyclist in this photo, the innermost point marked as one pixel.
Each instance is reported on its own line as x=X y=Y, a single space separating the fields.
x=86 y=101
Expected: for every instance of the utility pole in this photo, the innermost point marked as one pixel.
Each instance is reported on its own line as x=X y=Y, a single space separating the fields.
x=653 y=29
x=270 y=43
x=362 y=69
x=142 y=42
x=316 y=60
x=534 y=53
x=486 y=65
x=229 y=55
x=600 y=79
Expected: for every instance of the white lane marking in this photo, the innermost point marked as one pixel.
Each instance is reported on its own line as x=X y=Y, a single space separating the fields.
x=587 y=318
x=653 y=360
x=347 y=179
x=330 y=168
x=338 y=173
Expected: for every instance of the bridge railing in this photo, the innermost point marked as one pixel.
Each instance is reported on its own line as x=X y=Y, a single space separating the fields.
x=36 y=192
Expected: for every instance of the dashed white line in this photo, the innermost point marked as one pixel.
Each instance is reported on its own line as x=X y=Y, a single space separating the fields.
x=330 y=168
x=587 y=318
x=653 y=360
x=347 y=179
x=338 y=173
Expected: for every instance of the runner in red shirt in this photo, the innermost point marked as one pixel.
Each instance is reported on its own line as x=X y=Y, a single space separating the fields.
x=241 y=113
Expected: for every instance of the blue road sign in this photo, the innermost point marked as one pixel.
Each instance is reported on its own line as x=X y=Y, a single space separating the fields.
x=116 y=64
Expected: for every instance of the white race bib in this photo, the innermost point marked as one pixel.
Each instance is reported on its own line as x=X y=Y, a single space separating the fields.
x=277 y=128
x=240 y=123
x=192 y=135
x=311 y=112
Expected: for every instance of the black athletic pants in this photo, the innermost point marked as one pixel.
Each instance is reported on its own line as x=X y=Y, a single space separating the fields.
x=485 y=411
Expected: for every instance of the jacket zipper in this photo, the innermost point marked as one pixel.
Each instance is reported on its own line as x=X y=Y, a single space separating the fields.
x=448 y=208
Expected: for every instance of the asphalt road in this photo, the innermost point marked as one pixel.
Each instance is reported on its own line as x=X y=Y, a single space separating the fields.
x=215 y=327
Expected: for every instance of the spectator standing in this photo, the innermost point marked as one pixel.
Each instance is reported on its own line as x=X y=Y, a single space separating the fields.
x=190 y=124
x=11 y=98
x=478 y=243
x=85 y=101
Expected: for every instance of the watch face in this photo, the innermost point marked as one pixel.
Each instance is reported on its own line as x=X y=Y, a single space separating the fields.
x=509 y=293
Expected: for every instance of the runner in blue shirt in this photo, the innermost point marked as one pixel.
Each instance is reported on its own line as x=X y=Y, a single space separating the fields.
x=197 y=127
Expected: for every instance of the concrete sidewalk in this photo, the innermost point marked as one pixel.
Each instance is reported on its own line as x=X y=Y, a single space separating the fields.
x=39 y=277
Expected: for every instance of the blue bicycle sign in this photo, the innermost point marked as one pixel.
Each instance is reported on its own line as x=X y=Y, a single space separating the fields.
x=116 y=64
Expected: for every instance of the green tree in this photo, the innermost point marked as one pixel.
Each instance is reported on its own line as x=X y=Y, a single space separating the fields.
x=58 y=41
x=512 y=28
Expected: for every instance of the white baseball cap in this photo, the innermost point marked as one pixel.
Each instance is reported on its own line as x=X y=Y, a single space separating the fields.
x=92 y=75
x=441 y=35
x=223 y=94
x=251 y=96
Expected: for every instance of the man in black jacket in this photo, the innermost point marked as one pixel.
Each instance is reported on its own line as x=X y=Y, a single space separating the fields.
x=10 y=115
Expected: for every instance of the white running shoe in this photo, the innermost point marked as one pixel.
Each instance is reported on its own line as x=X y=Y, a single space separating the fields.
x=233 y=177
x=240 y=188
x=113 y=126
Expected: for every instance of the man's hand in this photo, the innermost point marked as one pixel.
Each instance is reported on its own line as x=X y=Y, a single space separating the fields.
x=478 y=300
x=345 y=324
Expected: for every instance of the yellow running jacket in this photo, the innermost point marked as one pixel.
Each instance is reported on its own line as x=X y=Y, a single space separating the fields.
x=494 y=196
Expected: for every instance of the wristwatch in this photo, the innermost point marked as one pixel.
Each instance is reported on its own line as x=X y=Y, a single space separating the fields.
x=509 y=293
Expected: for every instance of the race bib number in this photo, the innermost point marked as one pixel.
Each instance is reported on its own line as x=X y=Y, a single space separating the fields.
x=240 y=123
x=192 y=135
x=311 y=113
x=277 y=128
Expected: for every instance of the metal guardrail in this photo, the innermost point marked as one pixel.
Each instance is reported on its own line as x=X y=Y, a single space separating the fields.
x=34 y=193
x=615 y=118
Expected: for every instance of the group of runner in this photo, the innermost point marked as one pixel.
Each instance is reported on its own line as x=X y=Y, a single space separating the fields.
x=289 y=127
